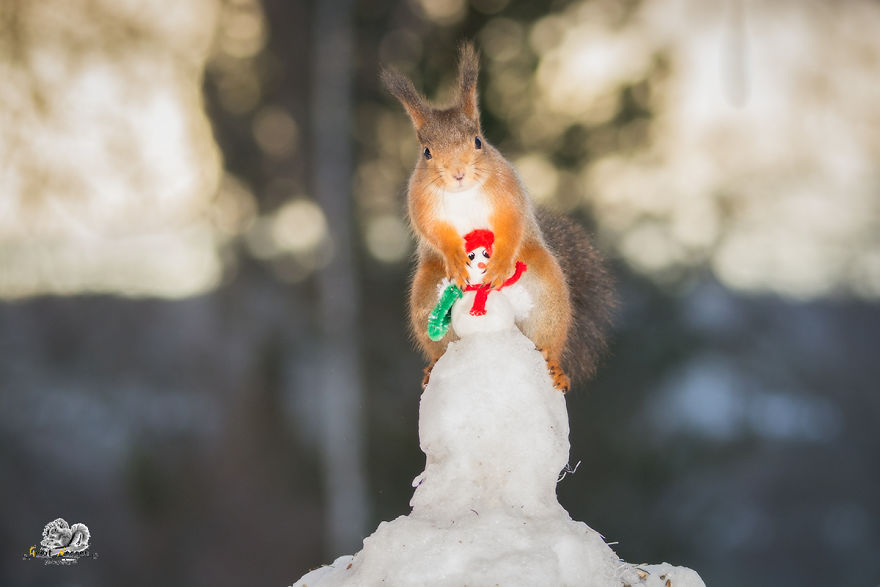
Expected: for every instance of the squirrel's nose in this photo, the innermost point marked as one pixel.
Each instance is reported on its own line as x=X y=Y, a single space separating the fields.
x=458 y=175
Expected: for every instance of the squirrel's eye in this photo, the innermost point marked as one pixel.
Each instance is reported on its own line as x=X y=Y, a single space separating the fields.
x=478 y=143
x=471 y=255
x=427 y=153
x=486 y=254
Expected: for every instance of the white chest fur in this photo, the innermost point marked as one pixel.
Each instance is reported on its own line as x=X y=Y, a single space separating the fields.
x=465 y=210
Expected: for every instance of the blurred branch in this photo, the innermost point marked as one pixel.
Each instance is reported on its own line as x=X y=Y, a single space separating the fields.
x=342 y=396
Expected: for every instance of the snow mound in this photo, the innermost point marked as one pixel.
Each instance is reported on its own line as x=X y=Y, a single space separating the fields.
x=484 y=512
x=494 y=430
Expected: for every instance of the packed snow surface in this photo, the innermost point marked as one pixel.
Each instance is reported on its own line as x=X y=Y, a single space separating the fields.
x=484 y=511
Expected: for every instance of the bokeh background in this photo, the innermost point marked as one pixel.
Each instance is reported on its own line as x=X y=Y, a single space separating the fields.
x=204 y=260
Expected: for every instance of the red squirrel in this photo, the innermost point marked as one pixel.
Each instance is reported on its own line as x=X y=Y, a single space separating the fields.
x=461 y=183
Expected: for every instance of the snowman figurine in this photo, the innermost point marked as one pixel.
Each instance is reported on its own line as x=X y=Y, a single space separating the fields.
x=479 y=307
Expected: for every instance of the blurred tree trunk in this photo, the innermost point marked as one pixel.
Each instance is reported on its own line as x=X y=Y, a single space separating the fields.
x=342 y=435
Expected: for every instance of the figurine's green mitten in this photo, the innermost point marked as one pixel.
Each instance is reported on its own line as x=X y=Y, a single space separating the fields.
x=441 y=315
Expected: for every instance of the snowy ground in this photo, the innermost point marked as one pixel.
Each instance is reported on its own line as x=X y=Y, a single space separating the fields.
x=484 y=511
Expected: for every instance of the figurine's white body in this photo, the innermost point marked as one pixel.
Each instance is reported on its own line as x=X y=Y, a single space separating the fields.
x=504 y=307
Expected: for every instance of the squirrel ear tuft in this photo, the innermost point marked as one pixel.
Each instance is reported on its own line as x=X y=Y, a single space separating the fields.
x=468 y=70
x=399 y=86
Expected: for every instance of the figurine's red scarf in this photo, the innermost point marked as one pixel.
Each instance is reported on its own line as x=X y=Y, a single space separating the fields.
x=483 y=289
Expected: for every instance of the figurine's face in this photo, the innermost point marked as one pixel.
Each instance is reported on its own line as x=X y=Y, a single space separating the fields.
x=477 y=264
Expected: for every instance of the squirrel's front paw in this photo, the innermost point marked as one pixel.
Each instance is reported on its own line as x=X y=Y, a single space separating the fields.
x=457 y=271
x=497 y=272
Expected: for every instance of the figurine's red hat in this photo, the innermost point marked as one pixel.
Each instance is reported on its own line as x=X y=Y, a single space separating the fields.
x=480 y=237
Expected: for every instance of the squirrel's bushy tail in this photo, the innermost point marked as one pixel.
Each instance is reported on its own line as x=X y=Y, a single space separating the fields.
x=592 y=293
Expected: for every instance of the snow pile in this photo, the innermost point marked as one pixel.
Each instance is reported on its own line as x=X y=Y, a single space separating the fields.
x=485 y=512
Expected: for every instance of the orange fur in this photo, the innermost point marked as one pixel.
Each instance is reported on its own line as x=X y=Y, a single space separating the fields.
x=508 y=223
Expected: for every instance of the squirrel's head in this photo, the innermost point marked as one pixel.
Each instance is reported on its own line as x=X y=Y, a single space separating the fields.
x=451 y=143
